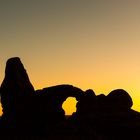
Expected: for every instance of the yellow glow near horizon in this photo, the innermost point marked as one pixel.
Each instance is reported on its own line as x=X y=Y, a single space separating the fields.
x=0 y=109
x=69 y=105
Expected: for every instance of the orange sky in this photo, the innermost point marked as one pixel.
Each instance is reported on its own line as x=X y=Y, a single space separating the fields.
x=89 y=44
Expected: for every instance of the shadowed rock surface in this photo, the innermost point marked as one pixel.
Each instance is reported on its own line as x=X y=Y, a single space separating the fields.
x=119 y=99
x=48 y=102
x=16 y=92
x=30 y=114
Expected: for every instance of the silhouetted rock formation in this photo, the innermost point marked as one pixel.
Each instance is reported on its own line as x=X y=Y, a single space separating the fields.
x=119 y=99
x=86 y=103
x=30 y=114
x=108 y=116
x=16 y=91
x=49 y=104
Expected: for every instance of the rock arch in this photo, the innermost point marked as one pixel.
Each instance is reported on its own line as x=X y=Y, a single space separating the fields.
x=52 y=98
x=25 y=106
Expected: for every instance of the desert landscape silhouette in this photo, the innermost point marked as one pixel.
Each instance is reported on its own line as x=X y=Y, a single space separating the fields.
x=38 y=114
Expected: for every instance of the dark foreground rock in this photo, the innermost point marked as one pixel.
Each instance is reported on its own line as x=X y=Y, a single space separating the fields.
x=38 y=115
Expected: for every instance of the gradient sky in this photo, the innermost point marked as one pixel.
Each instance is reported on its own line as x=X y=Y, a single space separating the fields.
x=87 y=43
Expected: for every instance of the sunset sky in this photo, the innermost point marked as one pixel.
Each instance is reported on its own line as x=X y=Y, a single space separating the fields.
x=87 y=43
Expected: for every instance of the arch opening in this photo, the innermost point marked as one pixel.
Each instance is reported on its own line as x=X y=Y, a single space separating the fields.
x=69 y=105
